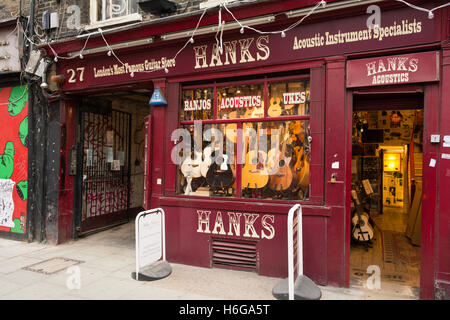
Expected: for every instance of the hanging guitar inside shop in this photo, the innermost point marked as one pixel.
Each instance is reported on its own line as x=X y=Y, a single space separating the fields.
x=362 y=230
x=220 y=176
x=302 y=152
x=275 y=109
x=192 y=173
x=283 y=178
x=254 y=173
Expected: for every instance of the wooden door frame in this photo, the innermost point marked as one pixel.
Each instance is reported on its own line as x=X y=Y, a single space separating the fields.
x=429 y=193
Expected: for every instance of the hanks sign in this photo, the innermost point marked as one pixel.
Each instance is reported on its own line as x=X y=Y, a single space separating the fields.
x=393 y=70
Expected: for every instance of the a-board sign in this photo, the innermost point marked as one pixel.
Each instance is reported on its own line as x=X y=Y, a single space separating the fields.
x=151 y=261
x=150 y=238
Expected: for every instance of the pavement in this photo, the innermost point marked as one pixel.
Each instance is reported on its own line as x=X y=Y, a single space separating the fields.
x=105 y=261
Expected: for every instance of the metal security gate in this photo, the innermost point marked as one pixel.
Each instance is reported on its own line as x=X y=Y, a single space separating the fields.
x=103 y=173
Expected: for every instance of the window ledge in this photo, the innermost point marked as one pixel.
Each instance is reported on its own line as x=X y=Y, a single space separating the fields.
x=135 y=17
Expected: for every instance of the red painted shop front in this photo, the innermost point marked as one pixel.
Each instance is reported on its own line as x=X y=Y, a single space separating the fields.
x=298 y=88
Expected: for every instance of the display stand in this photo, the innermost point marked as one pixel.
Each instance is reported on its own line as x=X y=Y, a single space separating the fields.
x=151 y=261
x=296 y=286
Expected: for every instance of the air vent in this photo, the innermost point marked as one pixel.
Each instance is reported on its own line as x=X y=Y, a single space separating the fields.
x=234 y=254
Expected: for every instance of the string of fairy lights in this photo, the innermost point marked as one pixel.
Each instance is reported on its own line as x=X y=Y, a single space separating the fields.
x=219 y=33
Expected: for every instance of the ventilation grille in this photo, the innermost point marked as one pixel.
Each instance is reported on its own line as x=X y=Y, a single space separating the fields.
x=234 y=254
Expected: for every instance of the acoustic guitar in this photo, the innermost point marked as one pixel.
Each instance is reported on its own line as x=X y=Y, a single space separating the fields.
x=220 y=175
x=258 y=112
x=301 y=168
x=275 y=109
x=254 y=172
x=190 y=169
x=283 y=178
x=362 y=230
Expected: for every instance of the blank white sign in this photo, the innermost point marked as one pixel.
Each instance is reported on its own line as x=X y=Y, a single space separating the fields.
x=150 y=240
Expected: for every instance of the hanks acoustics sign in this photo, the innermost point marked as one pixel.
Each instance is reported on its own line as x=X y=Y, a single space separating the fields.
x=393 y=70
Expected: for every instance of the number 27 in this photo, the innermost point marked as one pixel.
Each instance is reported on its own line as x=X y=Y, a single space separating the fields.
x=73 y=75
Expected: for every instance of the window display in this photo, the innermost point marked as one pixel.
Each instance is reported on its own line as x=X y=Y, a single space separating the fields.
x=288 y=98
x=279 y=167
x=196 y=104
x=245 y=101
x=211 y=171
x=240 y=152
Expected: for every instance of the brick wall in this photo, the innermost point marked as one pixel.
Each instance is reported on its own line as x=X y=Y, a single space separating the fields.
x=9 y=9
x=61 y=7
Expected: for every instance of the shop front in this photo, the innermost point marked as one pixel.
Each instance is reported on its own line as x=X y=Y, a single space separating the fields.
x=254 y=125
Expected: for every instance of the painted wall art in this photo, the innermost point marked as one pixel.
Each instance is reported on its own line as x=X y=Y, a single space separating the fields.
x=13 y=158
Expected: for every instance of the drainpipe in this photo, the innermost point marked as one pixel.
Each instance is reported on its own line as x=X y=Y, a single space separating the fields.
x=31 y=128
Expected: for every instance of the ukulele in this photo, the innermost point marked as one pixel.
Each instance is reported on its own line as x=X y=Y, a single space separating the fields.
x=258 y=112
x=275 y=109
x=220 y=175
x=362 y=230
x=283 y=178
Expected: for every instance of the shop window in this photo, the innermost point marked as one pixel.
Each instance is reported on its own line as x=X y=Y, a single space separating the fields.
x=196 y=104
x=210 y=170
x=105 y=12
x=233 y=146
x=288 y=99
x=276 y=160
x=241 y=102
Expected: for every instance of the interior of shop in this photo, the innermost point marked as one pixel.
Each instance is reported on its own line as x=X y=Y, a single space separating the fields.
x=386 y=195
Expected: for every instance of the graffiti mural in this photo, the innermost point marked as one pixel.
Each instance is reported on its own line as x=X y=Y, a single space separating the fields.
x=13 y=158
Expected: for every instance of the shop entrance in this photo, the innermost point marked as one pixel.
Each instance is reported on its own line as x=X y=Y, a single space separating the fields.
x=110 y=158
x=387 y=140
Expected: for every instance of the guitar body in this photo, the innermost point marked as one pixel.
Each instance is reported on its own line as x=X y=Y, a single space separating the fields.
x=303 y=181
x=258 y=112
x=191 y=167
x=275 y=107
x=254 y=173
x=282 y=180
x=220 y=176
x=300 y=168
x=362 y=230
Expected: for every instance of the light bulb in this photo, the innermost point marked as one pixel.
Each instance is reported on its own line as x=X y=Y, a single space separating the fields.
x=242 y=30
x=109 y=53
x=132 y=74
x=191 y=40
x=166 y=70
x=283 y=34
x=56 y=59
x=430 y=15
x=81 y=56
x=323 y=3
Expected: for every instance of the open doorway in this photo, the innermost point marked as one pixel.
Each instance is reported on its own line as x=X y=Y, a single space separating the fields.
x=110 y=170
x=386 y=195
